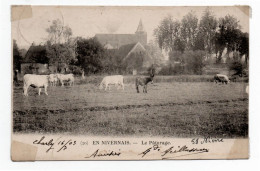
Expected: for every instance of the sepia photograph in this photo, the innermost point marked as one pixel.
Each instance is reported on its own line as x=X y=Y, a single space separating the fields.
x=130 y=82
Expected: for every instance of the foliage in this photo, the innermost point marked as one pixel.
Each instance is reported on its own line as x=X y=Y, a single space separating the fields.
x=228 y=35
x=58 y=33
x=238 y=68
x=60 y=48
x=90 y=54
x=207 y=34
x=167 y=33
x=243 y=47
x=60 y=53
x=76 y=70
x=189 y=62
x=189 y=29
x=155 y=52
x=207 y=27
x=172 y=69
x=220 y=45
x=112 y=62
x=194 y=61
x=176 y=56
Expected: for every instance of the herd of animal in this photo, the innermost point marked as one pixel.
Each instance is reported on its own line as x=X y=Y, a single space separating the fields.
x=42 y=81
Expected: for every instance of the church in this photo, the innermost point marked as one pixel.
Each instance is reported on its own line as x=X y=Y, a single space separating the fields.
x=115 y=41
x=130 y=47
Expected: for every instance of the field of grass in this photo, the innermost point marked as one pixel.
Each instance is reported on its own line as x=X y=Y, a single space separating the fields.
x=169 y=109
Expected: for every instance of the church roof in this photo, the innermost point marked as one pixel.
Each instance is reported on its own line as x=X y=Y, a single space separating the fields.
x=36 y=54
x=124 y=50
x=117 y=40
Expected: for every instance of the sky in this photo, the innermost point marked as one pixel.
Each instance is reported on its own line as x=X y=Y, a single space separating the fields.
x=88 y=21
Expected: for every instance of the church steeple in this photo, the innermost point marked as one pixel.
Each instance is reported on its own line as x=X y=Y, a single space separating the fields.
x=140 y=28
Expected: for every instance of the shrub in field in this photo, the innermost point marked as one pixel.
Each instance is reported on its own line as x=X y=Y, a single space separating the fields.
x=75 y=69
x=238 y=68
x=172 y=69
x=189 y=62
x=194 y=61
x=175 y=56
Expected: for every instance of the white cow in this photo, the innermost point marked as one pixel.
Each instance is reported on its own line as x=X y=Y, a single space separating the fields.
x=39 y=81
x=221 y=78
x=112 y=80
x=53 y=79
x=66 y=77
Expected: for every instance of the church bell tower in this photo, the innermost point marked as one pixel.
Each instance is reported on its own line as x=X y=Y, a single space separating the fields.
x=141 y=33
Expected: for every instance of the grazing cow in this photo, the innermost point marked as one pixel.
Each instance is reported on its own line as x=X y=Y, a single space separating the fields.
x=53 y=79
x=39 y=81
x=117 y=80
x=68 y=78
x=221 y=78
x=143 y=82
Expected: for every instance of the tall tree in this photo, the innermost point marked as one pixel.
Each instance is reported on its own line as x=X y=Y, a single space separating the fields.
x=167 y=33
x=58 y=33
x=60 y=46
x=244 y=46
x=220 y=45
x=207 y=27
x=229 y=28
x=189 y=30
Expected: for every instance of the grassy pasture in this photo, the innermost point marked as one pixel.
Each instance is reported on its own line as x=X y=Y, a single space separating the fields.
x=170 y=109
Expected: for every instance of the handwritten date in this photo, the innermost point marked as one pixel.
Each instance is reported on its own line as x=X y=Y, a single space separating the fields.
x=61 y=145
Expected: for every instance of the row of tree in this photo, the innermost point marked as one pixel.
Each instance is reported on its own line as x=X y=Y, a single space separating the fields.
x=188 y=42
x=208 y=34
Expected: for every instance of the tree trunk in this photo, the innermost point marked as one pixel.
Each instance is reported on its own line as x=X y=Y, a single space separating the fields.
x=219 y=57
x=246 y=58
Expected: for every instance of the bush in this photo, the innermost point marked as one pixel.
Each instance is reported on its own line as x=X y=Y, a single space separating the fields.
x=172 y=69
x=194 y=61
x=189 y=62
x=175 y=56
x=238 y=68
x=75 y=69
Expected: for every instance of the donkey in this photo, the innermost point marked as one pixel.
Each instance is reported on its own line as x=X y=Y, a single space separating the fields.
x=144 y=81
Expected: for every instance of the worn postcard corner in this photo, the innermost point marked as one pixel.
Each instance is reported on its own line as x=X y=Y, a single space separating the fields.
x=23 y=152
x=20 y=12
x=130 y=83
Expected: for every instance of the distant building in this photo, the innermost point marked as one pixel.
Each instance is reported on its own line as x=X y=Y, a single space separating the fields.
x=35 y=60
x=129 y=47
x=115 y=41
x=134 y=57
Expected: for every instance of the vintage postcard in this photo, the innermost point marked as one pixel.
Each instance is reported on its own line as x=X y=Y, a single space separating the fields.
x=130 y=83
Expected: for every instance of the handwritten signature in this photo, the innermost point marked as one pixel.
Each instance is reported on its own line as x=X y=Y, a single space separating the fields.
x=180 y=150
x=100 y=154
